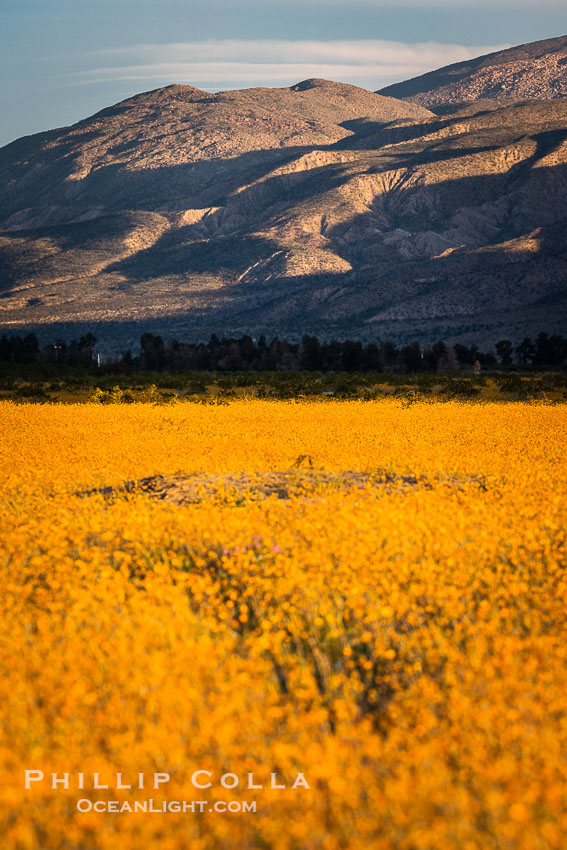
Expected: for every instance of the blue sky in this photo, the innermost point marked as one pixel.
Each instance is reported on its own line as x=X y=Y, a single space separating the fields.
x=62 y=60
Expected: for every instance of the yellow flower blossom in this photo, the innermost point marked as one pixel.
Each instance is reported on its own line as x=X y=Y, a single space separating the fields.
x=402 y=644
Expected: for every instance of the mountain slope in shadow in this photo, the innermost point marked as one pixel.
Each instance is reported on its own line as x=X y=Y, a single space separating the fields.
x=322 y=208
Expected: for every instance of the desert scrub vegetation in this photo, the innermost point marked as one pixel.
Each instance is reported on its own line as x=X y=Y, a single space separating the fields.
x=403 y=646
x=40 y=383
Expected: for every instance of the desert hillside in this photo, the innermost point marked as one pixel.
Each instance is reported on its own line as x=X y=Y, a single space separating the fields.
x=536 y=70
x=318 y=208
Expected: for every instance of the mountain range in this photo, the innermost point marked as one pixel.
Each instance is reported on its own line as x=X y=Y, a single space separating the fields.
x=537 y=71
x=319 y=208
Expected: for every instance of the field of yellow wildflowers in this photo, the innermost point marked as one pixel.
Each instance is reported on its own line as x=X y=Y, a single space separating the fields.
x=402 y=647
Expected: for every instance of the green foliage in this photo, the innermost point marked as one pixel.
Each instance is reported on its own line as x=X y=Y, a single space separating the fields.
x=221 y=387
x=114 y=396
x=31 y=393
x=461 y=388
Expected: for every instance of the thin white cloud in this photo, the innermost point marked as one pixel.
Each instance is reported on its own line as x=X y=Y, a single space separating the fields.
x=230 y=63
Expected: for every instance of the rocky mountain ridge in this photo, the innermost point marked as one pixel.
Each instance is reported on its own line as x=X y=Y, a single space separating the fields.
x=322 y=208
x=537 y=70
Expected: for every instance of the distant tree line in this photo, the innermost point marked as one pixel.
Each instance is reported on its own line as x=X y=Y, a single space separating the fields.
x=246 y=354
x=80 y=353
